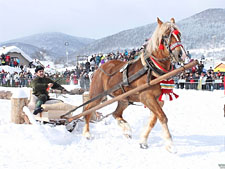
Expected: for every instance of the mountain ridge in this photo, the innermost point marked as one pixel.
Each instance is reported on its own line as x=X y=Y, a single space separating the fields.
x=202 y=30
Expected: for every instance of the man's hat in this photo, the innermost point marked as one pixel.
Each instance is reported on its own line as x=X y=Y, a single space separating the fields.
x=38 y=68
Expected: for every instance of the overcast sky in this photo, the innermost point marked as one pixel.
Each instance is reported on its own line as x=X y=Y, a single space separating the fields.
x=91 y=18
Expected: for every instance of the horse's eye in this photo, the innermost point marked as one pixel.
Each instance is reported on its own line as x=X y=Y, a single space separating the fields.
x=165 y=36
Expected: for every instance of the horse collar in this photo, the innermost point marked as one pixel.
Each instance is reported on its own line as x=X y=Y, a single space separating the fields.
x=159 y=66
x=156 y=67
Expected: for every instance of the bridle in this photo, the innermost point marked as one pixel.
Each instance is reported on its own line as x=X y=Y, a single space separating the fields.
x=167 y=42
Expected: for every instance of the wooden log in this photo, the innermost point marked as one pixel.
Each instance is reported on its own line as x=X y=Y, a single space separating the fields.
x=76 y=91
x=138 y=89
x=19 y=99
x=5 y=95
x=58 y=106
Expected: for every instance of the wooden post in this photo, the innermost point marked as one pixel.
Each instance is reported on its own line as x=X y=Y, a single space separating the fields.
x=19 y=99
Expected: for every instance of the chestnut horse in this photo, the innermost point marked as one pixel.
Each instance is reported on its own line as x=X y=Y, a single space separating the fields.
x=160 y=52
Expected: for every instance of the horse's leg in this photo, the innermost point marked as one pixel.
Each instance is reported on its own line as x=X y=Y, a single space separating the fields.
x=154 y=106
x=145 y=134
x=167 y=136
x=151 y=124
x=86 y=131
x=118 y=115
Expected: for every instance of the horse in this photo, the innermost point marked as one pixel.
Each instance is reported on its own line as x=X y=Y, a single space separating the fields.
x=162 y=50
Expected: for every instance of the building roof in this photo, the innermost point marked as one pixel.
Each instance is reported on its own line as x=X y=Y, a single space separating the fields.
x=220 y=67
x=6 y=50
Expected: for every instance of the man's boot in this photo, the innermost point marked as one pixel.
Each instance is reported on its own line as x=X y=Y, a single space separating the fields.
x=38 y=108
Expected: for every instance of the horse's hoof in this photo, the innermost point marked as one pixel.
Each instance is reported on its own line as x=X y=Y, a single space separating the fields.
x=87 y=135
x=171 y=149
x=126 y=128
x=143 y=146
x=128 y=136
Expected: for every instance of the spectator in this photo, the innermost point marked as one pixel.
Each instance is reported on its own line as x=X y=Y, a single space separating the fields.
x=82 y=80
x=202 y=82
x=98 y=60
x=188 y=55
x=200 y=67
x=7 y=60
x=92 y=65
x=17 y=79
x=209 y=81
x=87 y=66
x=196 y=80
x=86 y=81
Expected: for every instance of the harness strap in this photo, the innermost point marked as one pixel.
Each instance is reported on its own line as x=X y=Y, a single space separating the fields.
x=121 y=86
x=125 y=78
x=114 y=88
x=108 y=73
x=149 y=76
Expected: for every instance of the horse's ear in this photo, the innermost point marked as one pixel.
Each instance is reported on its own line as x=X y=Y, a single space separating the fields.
x=172 y=20
x=159 y=21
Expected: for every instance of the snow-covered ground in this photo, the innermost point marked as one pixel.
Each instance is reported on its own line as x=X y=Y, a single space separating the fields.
x=196 y=121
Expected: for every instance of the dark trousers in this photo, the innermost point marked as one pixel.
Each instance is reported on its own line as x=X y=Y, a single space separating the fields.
x=42 y=98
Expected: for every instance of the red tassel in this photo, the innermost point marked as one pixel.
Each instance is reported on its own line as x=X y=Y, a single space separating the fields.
x=176 y=32
x=170 y=97
x=176 y=95
x=160 y=97
x=161 y=47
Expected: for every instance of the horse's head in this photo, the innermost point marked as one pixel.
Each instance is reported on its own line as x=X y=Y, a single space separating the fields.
x=167 y=40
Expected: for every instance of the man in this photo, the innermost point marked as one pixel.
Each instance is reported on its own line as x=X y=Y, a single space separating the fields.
x=41 y=84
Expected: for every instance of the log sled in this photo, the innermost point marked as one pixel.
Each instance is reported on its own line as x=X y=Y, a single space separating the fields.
x=53 y=109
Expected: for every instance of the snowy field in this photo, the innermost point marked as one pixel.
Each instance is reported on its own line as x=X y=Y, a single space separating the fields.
x=196 y=122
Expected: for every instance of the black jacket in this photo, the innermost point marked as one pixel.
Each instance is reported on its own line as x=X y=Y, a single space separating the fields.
x=40 y=85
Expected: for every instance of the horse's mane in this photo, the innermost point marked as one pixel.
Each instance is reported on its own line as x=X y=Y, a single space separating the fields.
x=154 y=42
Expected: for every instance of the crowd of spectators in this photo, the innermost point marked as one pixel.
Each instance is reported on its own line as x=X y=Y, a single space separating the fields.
x=7 y=60
x=199 y=78
x=21 y=79
x=196 y=78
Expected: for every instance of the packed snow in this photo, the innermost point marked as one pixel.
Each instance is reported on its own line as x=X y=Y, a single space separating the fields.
x=196 y=122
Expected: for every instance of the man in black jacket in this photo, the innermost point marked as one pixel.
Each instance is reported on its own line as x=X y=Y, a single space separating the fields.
x=41 y=85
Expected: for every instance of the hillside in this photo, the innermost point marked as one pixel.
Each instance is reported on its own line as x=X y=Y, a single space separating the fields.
x=203 y=30
x=51 y=44
x=202 y=34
